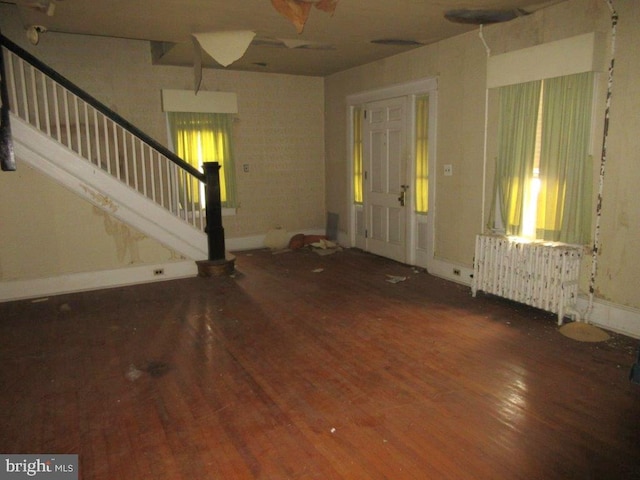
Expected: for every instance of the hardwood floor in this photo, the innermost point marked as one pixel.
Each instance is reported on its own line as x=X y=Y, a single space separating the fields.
x=285 y=372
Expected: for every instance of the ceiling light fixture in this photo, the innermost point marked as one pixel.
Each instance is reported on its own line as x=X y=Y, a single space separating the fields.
x=483 y=17
x=33 y=33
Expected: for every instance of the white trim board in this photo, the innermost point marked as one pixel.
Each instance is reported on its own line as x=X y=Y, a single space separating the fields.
x=399 y=90
x=201 y=102
x=611 y=316
x=607 y=315
x=256 y=242
x=582 y=53
x=86 y=281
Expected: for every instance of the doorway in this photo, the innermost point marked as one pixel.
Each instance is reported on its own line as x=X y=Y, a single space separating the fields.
x=388 y=215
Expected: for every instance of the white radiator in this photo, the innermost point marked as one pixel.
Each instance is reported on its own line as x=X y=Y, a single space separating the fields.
x=541 y=274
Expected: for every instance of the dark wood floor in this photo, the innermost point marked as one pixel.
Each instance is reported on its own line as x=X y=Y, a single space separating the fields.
x=284 y=372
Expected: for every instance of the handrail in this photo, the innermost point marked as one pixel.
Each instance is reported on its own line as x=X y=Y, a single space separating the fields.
x=7 y=157
x=106 y=111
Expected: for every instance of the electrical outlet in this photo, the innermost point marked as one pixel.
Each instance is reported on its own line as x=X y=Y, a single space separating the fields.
x=158 y=271
x=448 y=170
x=245 y=168
x=456 y=271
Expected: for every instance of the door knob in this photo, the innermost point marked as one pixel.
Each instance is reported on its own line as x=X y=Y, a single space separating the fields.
x=401 y=198
x=403 y=191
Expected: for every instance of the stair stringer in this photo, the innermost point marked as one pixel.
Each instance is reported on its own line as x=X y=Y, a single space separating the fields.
x=105 y=192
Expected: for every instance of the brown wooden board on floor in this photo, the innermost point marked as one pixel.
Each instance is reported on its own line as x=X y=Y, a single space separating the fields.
x=308 y=366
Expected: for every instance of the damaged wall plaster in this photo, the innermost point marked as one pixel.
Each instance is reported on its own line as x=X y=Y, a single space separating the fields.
x=126 y=239
x=102 y=200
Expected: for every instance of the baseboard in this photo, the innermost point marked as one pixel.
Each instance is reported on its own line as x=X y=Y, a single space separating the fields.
x=79 y=282
x=450 y=271
x=607 y=315
x=611 y=316
x=244 y=243
x=255 y=242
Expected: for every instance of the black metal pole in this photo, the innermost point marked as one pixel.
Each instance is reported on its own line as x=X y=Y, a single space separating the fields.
x=215 y=232
x=7 y=156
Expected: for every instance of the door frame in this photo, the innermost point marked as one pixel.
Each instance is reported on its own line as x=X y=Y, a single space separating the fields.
x=414 y=256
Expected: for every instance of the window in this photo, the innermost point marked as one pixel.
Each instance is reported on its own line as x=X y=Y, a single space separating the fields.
x=205 y=137
x=422 y=154
x=543 y=185
x=357 y=155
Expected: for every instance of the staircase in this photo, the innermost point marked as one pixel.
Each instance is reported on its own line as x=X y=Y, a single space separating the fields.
x=65 y=133
x=108 y=192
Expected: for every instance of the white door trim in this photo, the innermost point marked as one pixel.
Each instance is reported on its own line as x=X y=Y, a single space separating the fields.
x=411 y=90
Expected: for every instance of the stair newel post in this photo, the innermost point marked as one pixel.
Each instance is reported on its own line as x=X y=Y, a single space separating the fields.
x=7 y=156
x=219 y=262
x=214 y=229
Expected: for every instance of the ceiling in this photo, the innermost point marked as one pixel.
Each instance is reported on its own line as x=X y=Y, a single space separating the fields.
x=330 y=43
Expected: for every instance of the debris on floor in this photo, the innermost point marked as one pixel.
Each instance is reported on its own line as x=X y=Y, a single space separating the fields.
x=310 y=239
x=584 y=332
x=317 y=243
x=279 y=251
x=318 y=270
x=157 y=368
x=297 y=241
x=322 y=246
x=395 y=278
x=326 y=248
x=133 y=373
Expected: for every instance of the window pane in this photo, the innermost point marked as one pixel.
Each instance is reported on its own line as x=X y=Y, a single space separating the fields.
x=422 y=154
x=206 y=137
x=564 y=203
x=357 y=155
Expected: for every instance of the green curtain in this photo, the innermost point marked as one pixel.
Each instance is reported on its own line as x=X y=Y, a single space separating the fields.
x=357 y=155
x=564 y=201
x=422 y=154
x=516 y=149
x=205 y=137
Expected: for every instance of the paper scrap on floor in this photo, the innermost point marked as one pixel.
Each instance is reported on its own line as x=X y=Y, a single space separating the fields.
x=325 y=247
x=395 y=278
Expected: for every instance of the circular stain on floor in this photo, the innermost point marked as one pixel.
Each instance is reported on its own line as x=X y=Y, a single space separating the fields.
x=157 y=368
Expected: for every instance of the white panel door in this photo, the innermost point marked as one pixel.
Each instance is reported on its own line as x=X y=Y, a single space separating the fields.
x=386 y=184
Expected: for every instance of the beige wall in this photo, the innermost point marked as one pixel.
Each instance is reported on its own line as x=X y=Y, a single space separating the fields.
x=281 y=131
x=459 y=64
x=279 y=134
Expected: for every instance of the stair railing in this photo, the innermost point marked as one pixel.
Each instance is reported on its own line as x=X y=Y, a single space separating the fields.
x=54 y=105
x=7 y=157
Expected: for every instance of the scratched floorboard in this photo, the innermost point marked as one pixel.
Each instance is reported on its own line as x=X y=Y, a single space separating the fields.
x=291 y=372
